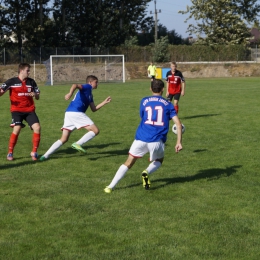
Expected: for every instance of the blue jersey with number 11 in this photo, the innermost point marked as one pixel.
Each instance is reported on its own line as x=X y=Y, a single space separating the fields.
x=155 y=113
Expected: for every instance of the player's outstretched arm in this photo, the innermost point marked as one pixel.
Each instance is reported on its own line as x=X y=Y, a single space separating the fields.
x=94 y=108
x=178 y=146
x=72 y=89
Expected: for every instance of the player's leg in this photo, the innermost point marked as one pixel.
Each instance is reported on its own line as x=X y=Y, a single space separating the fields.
x=33 y=121
x=137 y=150
x=67 y=129
x=56 y=145
x=16 y=124
x=176 y=102
x=122 y=170
x=81 y=120
x=156 y=150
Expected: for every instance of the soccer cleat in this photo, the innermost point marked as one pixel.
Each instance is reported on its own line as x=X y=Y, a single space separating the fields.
x=34 y=156
x=108 y=190
x=10 y=157
x=78 y=147
x=146 y=181
x=42 y=158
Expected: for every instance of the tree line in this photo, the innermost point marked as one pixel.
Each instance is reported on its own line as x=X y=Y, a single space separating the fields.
x=91 y=23
x=106 y=23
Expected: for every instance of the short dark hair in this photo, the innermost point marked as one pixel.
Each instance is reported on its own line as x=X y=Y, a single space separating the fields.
x=22 y=66
x=91 y=78
x=157 y=85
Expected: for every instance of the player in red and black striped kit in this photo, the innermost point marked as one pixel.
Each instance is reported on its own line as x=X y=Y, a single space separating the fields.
x=22 y=90
x=175 y=85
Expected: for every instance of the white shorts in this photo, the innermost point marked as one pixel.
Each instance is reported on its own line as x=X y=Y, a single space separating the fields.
x=77 y=120
x=139 y=149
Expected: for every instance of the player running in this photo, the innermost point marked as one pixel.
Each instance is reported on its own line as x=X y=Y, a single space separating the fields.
x=75 y=117
x=151 y=134
x=22 y=90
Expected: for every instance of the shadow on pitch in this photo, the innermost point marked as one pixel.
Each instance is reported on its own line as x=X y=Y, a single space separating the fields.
x=198 y=116
x=209 y=174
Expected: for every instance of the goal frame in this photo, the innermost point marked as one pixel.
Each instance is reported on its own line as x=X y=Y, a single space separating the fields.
x=86 y=56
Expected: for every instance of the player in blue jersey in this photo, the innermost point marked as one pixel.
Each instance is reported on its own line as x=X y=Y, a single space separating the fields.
x=75 y=117
x=151 y=134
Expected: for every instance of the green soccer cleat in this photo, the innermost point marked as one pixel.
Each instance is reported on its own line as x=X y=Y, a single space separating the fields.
x=42 y=159
x=108 y=190
x=78 y=147
x=146 y=181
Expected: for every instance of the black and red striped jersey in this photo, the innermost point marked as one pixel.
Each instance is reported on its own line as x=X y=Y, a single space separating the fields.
x=19 y=93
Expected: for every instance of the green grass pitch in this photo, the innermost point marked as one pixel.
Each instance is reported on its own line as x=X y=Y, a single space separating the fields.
x=203 y=202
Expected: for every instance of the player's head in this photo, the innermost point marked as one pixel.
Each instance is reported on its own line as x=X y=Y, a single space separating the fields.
x=24 y=70
x=23 y=66
x=157 y=86
x=173 y=65
x=92 y=80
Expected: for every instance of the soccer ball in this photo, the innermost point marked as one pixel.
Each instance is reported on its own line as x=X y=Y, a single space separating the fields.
x=174 y=128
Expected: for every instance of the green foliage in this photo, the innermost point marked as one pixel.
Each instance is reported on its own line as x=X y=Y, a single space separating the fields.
x=160 y=51
x=132 y=41
x=203 y=203
x=222 y=21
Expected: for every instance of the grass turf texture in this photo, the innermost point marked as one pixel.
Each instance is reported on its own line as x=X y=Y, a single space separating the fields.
x=203 y=203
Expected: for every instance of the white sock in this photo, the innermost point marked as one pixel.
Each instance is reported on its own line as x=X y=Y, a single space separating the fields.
x=153 y=166
x=85 y=138
x=118 y=176
x=53 y=148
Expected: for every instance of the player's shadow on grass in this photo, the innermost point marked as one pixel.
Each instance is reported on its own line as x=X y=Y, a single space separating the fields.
x=197 y=116
x=69 y=150
x=15 y=163
x=209 y=174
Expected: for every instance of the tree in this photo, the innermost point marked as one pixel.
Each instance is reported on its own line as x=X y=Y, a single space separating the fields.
x=99 y=23
x=160 y=52
x=222 y=21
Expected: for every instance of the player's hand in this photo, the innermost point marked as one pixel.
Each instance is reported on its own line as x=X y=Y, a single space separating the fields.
x=108 y=99
x=178 y=147
x=31 y=94
x=68 y=96
x=182 y=93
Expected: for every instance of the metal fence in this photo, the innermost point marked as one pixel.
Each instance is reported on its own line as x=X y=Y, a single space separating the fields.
x=180 y=53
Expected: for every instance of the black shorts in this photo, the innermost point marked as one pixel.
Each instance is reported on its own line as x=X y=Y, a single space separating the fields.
x=18 y=117
x=175 y=96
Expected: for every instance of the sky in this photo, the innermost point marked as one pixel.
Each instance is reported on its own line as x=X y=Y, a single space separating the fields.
x=169 y=16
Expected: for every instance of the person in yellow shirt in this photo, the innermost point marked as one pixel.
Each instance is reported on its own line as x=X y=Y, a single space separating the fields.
x=151 y=71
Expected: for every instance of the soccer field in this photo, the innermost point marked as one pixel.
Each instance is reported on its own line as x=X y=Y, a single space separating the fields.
x=203 y=202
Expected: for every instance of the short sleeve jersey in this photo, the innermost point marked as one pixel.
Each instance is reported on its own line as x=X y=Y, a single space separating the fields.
x=174 y=81
x=19 y=91
x=81 y=100
x=152 y=70
x=155 y=113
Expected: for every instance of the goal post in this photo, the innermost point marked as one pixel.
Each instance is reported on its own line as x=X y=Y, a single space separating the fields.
x=66 y=69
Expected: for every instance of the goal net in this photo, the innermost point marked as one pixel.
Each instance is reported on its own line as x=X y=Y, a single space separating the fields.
x=68 y=69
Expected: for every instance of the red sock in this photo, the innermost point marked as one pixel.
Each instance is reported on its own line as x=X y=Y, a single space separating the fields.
x=12 y=142
x=36 y=141
x=176 y=108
